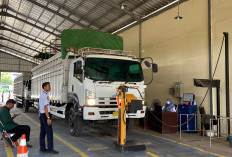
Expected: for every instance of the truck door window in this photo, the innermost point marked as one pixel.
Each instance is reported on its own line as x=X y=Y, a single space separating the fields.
x=29 y=85
x=78 y=70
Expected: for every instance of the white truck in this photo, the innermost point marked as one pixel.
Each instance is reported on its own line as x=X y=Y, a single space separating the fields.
x=84 y=83
x=22 y=91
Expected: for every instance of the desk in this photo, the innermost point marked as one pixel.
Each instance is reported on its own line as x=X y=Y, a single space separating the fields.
x=170 y=118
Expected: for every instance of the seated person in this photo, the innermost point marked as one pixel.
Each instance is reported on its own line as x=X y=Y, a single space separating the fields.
x=170 y=106
x=9 y=125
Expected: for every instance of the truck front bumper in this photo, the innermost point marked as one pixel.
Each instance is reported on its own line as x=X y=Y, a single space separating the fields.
x=96 y=113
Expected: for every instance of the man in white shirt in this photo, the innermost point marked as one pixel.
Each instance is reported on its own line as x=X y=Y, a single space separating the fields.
x=45 y=120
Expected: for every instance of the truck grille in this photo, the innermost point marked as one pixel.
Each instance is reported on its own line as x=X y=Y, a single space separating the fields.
x=106 y=101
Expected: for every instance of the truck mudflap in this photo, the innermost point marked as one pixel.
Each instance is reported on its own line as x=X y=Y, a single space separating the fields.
x=96 y=113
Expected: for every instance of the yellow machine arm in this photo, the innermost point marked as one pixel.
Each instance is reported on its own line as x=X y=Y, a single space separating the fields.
x=124 y=102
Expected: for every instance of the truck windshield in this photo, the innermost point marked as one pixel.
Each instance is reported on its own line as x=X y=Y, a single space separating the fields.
x=105 y=69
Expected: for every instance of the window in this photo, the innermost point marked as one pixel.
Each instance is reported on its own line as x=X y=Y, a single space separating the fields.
x=105 y=69
x=28 y=85
x=78 y=70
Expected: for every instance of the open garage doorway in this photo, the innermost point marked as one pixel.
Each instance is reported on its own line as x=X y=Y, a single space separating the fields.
x=7 y=85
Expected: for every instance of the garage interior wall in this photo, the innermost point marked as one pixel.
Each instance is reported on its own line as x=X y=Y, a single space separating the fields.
x=180 y=48
x=10 y=63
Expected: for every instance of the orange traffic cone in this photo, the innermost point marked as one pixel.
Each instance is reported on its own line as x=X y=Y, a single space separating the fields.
x=22 y=151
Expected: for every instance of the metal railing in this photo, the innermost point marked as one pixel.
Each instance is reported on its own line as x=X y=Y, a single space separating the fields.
x=187 y=123
x=220 y=122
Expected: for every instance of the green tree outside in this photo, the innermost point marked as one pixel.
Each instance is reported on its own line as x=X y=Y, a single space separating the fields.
x=6 y=78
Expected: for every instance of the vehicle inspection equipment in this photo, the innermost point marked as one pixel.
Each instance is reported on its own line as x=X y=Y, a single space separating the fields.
x=127 y=103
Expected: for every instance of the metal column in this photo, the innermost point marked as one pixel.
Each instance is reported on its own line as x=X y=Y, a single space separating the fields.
x=140 y=39
x=227 y=82
x=218 y=111
x=210 y=62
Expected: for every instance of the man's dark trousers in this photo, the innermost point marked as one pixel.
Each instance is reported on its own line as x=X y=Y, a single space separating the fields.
x=45 y=129
x=18 y=131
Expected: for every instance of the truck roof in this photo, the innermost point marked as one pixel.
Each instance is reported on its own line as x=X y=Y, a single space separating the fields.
x=87 y=52
x=109 y=57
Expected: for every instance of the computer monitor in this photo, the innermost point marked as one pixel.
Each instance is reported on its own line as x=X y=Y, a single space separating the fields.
x=188 y=97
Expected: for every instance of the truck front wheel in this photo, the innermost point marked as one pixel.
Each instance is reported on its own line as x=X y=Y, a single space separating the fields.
x=74 y=122
x=18 y=105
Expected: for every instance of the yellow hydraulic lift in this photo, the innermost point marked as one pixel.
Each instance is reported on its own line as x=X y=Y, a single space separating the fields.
x=126 y=103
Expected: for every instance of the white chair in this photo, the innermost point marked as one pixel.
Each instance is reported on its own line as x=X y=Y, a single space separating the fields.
x=6 y=135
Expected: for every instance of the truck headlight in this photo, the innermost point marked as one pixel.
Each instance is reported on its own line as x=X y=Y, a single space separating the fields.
x=91 y=102
x=89 y=94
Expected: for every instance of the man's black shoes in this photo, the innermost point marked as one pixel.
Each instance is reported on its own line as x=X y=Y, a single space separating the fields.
x=52 y=152
x=43 y=150
x=48 y=151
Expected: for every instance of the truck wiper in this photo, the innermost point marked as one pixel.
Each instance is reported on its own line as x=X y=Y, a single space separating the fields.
x=110 y=80
x=129 y=82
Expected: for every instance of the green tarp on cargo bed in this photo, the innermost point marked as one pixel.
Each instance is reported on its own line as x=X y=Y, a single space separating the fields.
x=89 y=38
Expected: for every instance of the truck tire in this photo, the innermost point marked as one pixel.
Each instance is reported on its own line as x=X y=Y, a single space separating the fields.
x=67 y=116
x=74 y=123
x=18 y=105
x=25 y=106
x=129 y=124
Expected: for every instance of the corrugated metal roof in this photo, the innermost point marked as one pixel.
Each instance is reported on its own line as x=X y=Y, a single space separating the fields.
x=30 y=25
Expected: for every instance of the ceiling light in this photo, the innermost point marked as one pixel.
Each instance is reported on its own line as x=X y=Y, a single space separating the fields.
x=178 y=17
x=122 y=6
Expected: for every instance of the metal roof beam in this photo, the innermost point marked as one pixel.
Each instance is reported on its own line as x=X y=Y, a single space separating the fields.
x=17 y=30
x=27 y=37
x=91 y=11
x=136 y=7
x=156 y=12
x=17 y=56
x=34 y=20
x=59 y=14
x=29 y=23
x=128 y=12
x=4 y=38
x=16 y=51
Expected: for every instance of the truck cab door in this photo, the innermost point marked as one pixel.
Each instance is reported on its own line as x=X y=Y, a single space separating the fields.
x=76 y=80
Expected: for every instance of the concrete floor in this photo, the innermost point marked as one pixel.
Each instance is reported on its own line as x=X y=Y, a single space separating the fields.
x=97 y=142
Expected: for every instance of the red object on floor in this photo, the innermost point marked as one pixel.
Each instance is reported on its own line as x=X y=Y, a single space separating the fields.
x=16 y=143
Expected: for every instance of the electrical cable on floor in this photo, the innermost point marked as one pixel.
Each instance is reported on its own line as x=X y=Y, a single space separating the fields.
x=215 y=69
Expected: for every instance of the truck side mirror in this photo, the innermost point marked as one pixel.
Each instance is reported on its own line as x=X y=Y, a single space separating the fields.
x=147 y=64
x=155 y=68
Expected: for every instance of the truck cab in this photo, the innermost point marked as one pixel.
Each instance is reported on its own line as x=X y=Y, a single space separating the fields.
x=94 y=80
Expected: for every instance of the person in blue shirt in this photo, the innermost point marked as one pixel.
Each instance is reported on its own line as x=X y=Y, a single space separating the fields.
x=169 y=106
x=45 y=121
